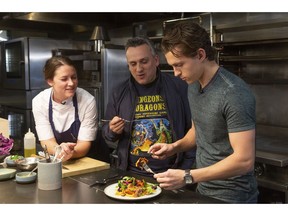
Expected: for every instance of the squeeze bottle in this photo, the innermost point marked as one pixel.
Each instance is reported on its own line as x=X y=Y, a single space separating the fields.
x=29 y=144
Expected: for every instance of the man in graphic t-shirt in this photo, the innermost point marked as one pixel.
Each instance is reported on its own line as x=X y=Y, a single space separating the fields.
x=150 y=107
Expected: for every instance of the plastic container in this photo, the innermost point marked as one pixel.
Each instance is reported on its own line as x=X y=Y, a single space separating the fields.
x=29 y=144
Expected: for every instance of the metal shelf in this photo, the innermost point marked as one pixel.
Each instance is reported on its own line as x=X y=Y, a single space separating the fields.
x=248 y=26
x=251 y=58
x=247 y=43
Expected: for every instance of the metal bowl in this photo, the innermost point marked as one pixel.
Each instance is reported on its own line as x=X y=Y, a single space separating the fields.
x=27 y=164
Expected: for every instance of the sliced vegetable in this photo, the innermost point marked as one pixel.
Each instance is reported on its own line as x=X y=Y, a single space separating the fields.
x=6 y=145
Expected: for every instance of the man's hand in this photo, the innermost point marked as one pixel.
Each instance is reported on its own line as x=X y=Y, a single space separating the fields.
x=117 y=125
x=161 y=150
x=67 y=150
x=171 y=179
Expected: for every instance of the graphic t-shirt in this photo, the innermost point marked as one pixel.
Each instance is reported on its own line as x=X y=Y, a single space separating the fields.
x=150 y=125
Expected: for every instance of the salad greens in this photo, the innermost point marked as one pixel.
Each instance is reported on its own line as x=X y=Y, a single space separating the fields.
x=131 y=186
x=15 y=157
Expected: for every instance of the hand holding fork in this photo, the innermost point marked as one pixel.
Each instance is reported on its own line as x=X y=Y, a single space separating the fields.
x=127 y=121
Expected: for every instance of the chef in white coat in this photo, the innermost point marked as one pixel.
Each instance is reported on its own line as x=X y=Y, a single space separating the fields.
x=64 y=114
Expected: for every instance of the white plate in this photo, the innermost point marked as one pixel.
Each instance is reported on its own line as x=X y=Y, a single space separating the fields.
x=111 y=192
x=7 y=173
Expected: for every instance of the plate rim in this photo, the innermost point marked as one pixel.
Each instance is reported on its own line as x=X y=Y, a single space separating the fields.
x=127 y=198
x=9 y=175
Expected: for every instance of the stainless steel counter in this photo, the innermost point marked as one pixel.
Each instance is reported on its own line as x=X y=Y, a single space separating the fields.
x=76 y=190
x=271 y=168
x=272 y=151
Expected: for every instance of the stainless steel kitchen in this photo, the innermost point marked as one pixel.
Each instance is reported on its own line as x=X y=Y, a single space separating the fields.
x=251 y=45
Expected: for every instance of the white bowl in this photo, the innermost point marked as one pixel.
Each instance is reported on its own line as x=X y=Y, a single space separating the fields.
x=24 y=177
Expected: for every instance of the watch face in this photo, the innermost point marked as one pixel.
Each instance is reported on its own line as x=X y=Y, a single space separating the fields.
x=188 y=179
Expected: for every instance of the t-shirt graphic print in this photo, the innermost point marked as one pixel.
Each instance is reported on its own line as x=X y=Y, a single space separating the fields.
x=146 y=132
x=150 y=125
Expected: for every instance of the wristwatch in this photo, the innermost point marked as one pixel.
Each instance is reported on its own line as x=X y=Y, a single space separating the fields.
x=188 y=177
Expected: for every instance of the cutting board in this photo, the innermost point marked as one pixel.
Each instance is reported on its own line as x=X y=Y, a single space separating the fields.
x=82 y=166
x=4 y=127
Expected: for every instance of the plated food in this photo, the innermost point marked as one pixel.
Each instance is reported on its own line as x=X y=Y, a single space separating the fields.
x=131 y=188
x=141 y=162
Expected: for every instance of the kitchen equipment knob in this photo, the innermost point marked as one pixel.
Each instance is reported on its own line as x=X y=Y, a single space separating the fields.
x=259 y=169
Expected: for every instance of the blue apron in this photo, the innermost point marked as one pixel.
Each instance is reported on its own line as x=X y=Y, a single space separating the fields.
x=71 y=134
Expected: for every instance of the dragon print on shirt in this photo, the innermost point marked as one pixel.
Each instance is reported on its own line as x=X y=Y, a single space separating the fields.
x=151 y=125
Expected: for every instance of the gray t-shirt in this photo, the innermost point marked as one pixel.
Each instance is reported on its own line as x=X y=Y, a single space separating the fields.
x=225 y=105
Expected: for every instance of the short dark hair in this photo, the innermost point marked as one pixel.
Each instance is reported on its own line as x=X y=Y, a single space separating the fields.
x=53 y=63
x=189 y=37
x=138 y=41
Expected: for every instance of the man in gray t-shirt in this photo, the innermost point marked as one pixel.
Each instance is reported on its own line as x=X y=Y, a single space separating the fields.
x=224 y=106
x=223 y=121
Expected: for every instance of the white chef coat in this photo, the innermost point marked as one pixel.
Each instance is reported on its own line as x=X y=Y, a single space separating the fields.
x=64 y=115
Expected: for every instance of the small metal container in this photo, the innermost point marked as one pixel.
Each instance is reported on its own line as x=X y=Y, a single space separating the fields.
x=27 y=164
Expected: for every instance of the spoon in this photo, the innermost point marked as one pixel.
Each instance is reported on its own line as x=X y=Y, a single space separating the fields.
x=32 y=171
x=58 y=150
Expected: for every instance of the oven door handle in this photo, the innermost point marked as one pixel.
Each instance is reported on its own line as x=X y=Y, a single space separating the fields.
x=21 y=64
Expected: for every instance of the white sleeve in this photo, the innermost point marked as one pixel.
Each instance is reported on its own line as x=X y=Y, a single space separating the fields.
x=88 y=116
x=40 y=107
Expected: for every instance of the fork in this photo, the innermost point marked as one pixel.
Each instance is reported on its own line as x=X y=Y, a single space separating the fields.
x=128 y=121
x=147 y=168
